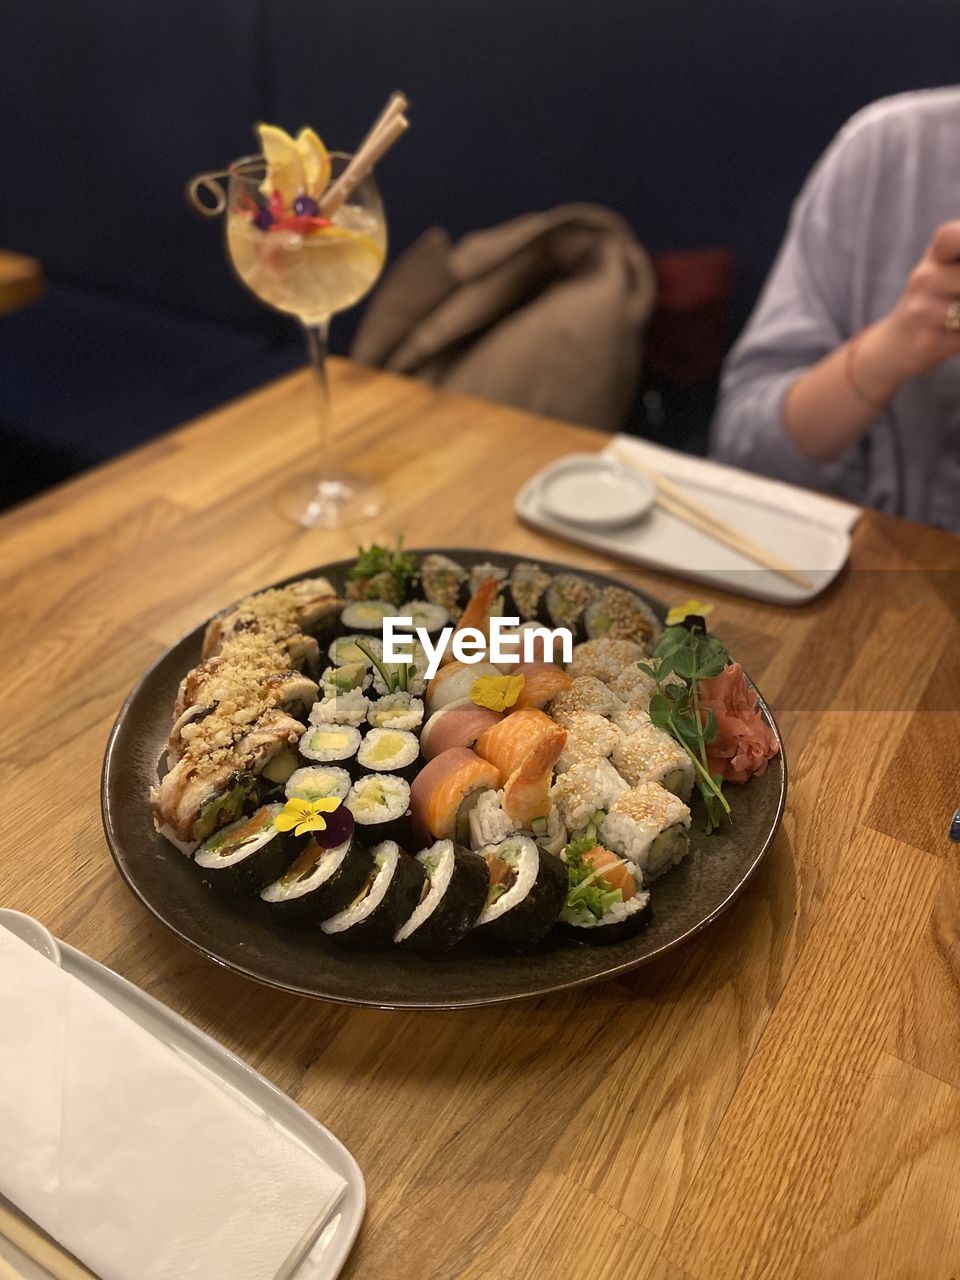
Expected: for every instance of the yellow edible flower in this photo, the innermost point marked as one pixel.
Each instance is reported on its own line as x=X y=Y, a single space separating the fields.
x=700 y=608
x=301 y=816
x=496 y=692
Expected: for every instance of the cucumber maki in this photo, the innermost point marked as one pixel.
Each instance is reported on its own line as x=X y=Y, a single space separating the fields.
x=380 y=804
x=606 y=901
x=394 y=751
x=386 y=899
x=455 y=891
x=528 y=889
x=318 y=782
x=246 y=856
x=319 y=883
x=366 y=616
x=333 y=744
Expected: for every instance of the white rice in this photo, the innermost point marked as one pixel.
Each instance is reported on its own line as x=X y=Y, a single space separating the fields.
x=396 y=711
x=210 y=857
x=637 y=817
x=316 y=782
x=489 y=822
x=587 y=693
x=520 y=852
x=586 y=787
x=632 y=716
x=386 y=855
x=340 y=708
x=589 y=737
x=652 y=755
x=438 y=862
x=329 y=864
x=634 y=685
x=330 y=743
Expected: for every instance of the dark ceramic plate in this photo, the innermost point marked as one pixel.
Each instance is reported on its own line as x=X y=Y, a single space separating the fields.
x=241 y=935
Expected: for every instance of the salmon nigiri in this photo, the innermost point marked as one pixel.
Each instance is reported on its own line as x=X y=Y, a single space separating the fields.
x=526 y=792
x=542 y=682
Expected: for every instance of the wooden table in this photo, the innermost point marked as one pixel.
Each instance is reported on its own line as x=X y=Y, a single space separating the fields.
x=780 y=1098
x=21 y=281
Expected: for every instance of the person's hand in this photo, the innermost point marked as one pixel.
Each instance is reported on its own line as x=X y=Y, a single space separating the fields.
x=914 y=337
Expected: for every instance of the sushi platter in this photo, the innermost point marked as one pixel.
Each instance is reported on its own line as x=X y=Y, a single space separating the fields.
x=321 y=790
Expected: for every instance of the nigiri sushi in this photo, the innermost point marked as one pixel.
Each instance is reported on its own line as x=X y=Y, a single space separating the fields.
x=444 y=791
x=524 y=747
x=458 y=724
x=542 y=682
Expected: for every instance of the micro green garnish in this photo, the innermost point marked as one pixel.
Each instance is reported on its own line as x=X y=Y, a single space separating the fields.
x=386 y=574
x=686 y=655
x=396 y=676
x=587 y=891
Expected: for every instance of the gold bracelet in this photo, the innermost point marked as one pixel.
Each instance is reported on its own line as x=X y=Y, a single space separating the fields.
x=851 y=352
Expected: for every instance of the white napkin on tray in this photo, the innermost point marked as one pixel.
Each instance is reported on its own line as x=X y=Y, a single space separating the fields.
x=820 y=508
x=129 y=1155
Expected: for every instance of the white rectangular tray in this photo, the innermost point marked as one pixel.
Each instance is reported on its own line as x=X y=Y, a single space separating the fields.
x=659 y=540
x=329 y=1253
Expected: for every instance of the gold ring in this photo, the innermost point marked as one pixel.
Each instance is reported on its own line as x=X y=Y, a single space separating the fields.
x=952 y=320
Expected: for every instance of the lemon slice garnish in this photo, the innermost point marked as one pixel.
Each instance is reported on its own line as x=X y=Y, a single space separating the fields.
x=315 y=161
x=284 y=163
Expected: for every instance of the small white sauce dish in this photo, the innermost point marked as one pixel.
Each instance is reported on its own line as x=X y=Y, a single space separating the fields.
x=588 y=489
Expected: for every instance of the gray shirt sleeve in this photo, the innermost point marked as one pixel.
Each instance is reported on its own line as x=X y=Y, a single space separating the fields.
x=803 y=314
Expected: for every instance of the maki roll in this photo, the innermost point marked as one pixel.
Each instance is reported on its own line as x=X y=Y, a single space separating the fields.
x=340 y=708
x=318 y=782
x=381 y=574
x=589 y=737
x=380 y=804
x=528 y=585
x=480 y=573
x=489 y=821
x=566 y=599
x=606 y=901
x=366 y=616
x=528 y=889
x=246 y=856
x=456 y=889
x=603 y=659
x=650 y=826
x=587 y=693
x=402 y=677
x=393 y=751
x=444 y=792
x=330 y=744
x=344 y=649
x=587 y=788
x=196 y=798
x=387 y=898
x=650 y=754
x=431 y=618
x=620 y=614
x=634 y=685
x=442 y=581
x=398 y=710
x=343 y=679
x=320 y=883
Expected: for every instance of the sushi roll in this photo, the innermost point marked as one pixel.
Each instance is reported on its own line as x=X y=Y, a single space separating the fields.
x=431 y=618
x=603 y=659
x=345 y=678
x=340 y=708
x=380 y=804
x=632 y=684
x=542 y=682
x=335 y=744
x=587 y=693
x=366 y=616
x=566 y=600
x=586 y=789
x=606 y=901
x=270 y=741
x=589 y=737
x=396 y=711
x=620 y=614
x=443 y=582
x=246 y=856
x=489 y=821
x=318 y=782
x=292 y=692
x=194 y=799
x=393 y=751
x=319 y=883
x=455 y=894
x=454 y=681
x=528 y=585
x=524 y=747
x=481 y=572
x=457 y=724
x=407 y=677
x=445 y=790
x=650 y=826
x=653 y=755
x=387 y=898
x=528 y=889
x=344 y=649
x=632 y=716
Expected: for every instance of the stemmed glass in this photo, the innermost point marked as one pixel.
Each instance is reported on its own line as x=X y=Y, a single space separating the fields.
x=311 y=271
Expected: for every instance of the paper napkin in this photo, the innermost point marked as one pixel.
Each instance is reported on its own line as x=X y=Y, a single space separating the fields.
x=133 y=1158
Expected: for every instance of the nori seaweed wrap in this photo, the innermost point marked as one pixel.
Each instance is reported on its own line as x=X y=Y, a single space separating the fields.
x=386 y=899
x=528 y=889
x=456 y=891
x=320 y=883
x=247 y=855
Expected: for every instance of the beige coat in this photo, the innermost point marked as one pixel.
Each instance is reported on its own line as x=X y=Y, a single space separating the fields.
x=546 y=312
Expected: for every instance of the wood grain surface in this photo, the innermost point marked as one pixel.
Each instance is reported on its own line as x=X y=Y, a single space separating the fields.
x=781 y=1098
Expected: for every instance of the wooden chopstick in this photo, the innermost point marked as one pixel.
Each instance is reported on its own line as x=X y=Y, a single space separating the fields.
x=673 y=499
x=32 y=1242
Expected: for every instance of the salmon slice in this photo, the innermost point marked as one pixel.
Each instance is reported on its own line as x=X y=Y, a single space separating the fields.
x=612 y=870
x=526 y=791
x=476 y=614
x=508 y=743
x=443 y=790
x=542 y=681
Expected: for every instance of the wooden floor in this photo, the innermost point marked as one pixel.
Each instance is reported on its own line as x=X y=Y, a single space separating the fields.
x=779 y=1099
